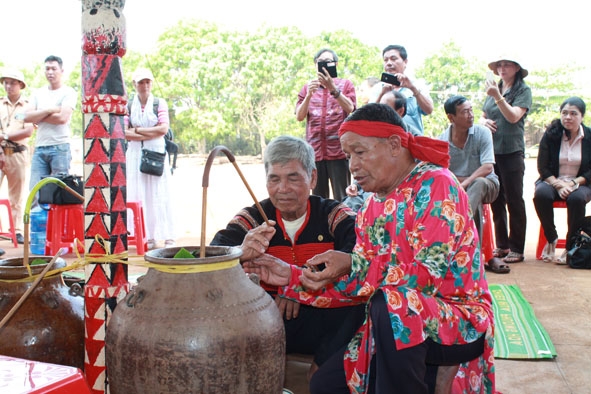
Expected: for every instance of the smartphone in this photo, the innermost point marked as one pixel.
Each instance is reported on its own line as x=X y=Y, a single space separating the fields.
x=490 y=77
x=331 y=67
x=391 y=79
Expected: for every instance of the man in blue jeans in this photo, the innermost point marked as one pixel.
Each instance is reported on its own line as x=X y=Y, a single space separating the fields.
x=50 y=108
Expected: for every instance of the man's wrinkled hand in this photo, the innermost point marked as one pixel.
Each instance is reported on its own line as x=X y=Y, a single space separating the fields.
x=257 y=241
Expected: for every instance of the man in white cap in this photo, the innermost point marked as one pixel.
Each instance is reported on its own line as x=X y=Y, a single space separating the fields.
x=14 y=156
x=51 y=108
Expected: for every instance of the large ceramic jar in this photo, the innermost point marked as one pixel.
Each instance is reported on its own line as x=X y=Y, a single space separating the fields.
x=49 y=325
x=196 y=326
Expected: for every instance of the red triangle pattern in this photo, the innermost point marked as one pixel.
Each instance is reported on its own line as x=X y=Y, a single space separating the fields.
x=97 y=153
x=117 y=131
x=96 y=248
x=98 y=278
x=97 y=227
x=119 y=279
x=119 y=204
x=120 y=226
x=119 y=246
x=97 y=178
x=97 y=203
x=96 y=128
x=119 y=179
x=118 y=156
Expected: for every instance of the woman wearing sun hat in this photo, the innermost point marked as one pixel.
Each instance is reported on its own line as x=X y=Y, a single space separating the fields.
x=504 y=112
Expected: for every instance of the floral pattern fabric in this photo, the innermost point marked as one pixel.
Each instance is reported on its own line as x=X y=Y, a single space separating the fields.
x=418 y=245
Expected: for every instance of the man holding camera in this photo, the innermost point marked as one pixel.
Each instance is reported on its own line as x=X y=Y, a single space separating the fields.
x=324 y=103
x=418 y=100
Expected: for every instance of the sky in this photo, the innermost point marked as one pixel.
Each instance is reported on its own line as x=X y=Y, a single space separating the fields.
x=532 y=32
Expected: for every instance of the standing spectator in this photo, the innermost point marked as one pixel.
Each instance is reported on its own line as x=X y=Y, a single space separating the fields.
x=418 y=99
x=364 y=90
x=146 y=129
x=51 y=109
x=504 y=113
x=325 y=102
x=472 y=161
x=564 y=164
x=14 y=156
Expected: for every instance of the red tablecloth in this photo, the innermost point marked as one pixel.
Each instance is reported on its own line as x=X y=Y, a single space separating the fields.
x=25 y=376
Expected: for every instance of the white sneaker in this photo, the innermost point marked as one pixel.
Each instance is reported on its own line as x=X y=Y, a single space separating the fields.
x=168 y=243
x=151 y=244
x=562 y=259
x=549 y=252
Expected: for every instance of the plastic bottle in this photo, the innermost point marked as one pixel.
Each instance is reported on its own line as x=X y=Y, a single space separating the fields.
x=38 y=229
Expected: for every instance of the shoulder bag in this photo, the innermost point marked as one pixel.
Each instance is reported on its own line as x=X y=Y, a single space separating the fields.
x=152 y=162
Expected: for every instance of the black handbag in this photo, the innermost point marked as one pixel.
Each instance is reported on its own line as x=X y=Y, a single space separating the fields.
x=579 y=255
x=51 y=193
x=152 y=162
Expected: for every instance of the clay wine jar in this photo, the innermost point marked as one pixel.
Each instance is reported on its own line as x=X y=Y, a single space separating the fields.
x=49 y=325
x=206 y=332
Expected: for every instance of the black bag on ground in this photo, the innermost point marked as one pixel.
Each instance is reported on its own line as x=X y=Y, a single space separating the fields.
x=51 y=193
x=579 y=256
x=152 y=162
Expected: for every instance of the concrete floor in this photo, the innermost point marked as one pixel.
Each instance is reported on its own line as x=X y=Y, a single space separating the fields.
x=558 y=294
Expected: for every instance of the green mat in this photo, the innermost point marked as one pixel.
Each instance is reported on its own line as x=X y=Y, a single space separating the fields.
x=518 y=333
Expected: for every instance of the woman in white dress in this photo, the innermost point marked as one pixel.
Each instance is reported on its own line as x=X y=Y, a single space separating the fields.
x=146 y=125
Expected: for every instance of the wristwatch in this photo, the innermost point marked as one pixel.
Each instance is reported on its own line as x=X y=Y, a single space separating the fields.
x=335 y=93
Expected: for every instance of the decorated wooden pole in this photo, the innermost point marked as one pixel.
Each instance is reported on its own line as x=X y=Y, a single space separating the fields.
x=104 y=102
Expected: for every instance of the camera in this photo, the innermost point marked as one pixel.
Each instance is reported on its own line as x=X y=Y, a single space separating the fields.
x=391 y=79
x=331 y=67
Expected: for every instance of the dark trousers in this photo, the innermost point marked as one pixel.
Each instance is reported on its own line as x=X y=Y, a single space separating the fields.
x=411 y=370
x=335 y=171
x=510 y=169
x=322 y=331
x=545 y=195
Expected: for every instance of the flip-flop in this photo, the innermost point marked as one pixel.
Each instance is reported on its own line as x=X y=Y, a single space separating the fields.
x=497 y=266
x=498 y=252
x=514 y=257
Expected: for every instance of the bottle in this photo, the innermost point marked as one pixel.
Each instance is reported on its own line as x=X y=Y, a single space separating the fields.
x=38 y=229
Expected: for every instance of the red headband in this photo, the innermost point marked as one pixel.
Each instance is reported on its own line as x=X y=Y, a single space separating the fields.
x=422 y=148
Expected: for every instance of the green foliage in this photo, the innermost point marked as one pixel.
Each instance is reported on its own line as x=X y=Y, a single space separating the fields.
x=239 y=88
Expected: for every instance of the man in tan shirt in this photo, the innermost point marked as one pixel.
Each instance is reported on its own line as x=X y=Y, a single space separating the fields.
x=15 y=133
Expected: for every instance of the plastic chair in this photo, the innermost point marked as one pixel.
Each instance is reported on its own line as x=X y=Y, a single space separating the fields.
x=561 y=244
x=138 y=239
x=64 y=224
x=12 y=232
x=487 y=242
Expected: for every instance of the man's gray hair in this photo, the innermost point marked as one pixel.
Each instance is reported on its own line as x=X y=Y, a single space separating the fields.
x=286 y=148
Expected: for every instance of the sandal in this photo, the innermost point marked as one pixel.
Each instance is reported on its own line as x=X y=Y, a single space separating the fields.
x=562 y=259
x=514 y=257
x=549 y=252
x=498 y=252
x=497 y=266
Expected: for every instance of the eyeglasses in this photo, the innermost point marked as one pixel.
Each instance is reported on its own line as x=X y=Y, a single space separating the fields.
x=325 y=60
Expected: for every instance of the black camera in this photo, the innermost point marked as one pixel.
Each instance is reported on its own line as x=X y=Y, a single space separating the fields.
x=331 y=67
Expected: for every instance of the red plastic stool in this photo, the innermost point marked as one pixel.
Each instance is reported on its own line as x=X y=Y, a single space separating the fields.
x=487 y=242
x=561 y=244
x=12 y=232
x=64 y=224
x=139 y=228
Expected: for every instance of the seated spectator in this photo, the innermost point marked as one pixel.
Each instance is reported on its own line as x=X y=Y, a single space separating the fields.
x=415 y=264
x=564 y=164
x=303 y=225
x=472 y=160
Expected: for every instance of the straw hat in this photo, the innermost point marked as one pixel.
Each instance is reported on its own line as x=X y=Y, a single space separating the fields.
x=493 y=66
x=141 y=74
x=13 y=74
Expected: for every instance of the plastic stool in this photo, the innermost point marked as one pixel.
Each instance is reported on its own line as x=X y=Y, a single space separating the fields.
x=12 y=232
x=561 y=244
x=487 y=242
x=64 y=224
x=139 y=228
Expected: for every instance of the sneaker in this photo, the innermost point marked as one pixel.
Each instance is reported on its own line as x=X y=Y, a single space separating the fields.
x=562 y=259
x=151 y=244
x=549 y=252
x=20 y=239
x=168 y=243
